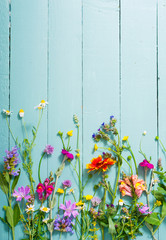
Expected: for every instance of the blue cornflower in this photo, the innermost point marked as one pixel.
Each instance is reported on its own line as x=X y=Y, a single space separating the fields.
x=98 y=129
x=93 y=135
x=103 y=124
x=111 y=117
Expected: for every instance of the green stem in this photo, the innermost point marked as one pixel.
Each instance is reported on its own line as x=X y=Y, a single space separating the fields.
x=11 y=130
x=64 y=196
x=147 y=194
x=68 y=143
x=40 y=167
x=25 y=127
x=133 y=158
x=13 y=234
x=62 y=141
x=158 y=226
x=117 y=179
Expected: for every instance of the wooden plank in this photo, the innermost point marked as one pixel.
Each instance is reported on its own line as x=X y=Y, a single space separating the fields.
x=101 y=76
x=29 y=77
x=162 y=87
x=138 y=64
x=4 y=93
x=65 y=84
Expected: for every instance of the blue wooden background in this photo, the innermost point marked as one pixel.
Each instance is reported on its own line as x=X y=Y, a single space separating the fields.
x=95 y=58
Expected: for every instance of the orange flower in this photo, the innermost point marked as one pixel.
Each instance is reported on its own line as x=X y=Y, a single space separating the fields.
x=99 y=164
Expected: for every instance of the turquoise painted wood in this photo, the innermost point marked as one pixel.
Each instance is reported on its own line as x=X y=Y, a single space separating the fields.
x=95 y=58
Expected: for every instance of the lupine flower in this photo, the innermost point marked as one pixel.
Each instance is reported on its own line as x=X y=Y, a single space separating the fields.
x=49 y=149
x=130 y=184
x=21 y=113
x=7 y=112
x=22 y=193
x=99 y=164
x=143 y=209
x=45 y=209
x=30 y=208
x=42 y=104
x=64 y=224
x=70 y=209
x=95 y=201
x=11 y=161
x=66 y=184
x=67 y=154
x=147 y=164
x=70 y=133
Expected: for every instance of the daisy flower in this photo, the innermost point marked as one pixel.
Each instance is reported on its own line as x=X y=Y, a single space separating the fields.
x=7 y=112
x=21 y=113
x=45 y=209
x=30 y=208
x=42 y=104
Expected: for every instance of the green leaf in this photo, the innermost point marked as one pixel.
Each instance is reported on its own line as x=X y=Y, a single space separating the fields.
x=15 y=181
x=153 y=219
x=7 y=177
x=53 y=202
x=111 y=226
x=4 y=221
x=16 y=214
x=163 y=212
x=161 y=190
x=3 y=184
x=9 y=216
x=59 y=170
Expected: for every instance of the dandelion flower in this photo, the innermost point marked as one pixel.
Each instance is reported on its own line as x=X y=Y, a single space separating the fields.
x=88 y=197
x=60 y=191
x=125 y=138
x=70 y=133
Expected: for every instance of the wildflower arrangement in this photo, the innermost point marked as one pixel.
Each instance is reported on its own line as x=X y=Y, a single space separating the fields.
x=121 y=207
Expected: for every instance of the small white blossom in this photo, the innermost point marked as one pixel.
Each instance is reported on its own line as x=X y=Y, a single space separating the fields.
x=144 y=133
x=7 y=112
x=121 y=202
x=30 y=208
x=21 y=113
x=42 y=104
x=45 y=209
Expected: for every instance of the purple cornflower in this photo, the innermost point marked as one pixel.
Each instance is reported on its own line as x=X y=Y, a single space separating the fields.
x=93 y=135
x=67 y=154
x=64 y=224
x=66 y=184
x=110 y=205
x=22 y=193
x=69 y=209
x=143 y=209
x=98 y=129
x=49 y=149
x=11 y=161
x=95 y=201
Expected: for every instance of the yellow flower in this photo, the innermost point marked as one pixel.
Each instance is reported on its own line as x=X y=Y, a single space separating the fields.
x=121 y=202
x=95 y=147
x=7 y=112
x=70 y=133
x=158 y=203
x=125 y=138
x=60 y=190
x=45 y=209
x=77 y=155
x=42 y=104
x=88 y=197
x=141 y=204
x=80 y=203
x=21 y=113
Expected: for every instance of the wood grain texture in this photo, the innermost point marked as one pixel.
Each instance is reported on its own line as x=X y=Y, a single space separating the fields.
x=65 y=84
x=139 y=77
x=4 y=95
x=29 y=78
x=162 y=88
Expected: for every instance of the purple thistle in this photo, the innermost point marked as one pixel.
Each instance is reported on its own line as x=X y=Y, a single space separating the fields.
x=64 y=224
x=66 y=184
x=22 y=193
x=11 y=161
x=95 y=201
x=143 y=209
x=49 y=149
x=70 y=209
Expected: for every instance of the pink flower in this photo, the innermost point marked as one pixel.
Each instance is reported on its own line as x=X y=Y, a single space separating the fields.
x=49 y=149
x=145 y=163
x=49 y=190
x=67 y=154
x=66 y=184
x=69 y=209
x=22 y=193
x=130 y=184
x=40 y=190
